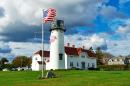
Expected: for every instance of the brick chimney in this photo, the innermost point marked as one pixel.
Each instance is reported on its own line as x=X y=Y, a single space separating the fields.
x=73 y=46
x=68 y=44
x=120 y=56
x=83 y=47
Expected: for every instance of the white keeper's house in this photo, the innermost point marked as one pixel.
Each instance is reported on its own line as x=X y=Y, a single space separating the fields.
x=60 y=56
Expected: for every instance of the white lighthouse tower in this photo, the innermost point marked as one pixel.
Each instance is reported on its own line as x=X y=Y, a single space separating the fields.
x=57 y=56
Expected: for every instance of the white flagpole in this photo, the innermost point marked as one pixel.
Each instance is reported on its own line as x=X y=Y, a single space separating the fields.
x=43 y=44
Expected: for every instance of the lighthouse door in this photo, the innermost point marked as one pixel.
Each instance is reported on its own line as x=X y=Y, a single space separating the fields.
x=83 y=65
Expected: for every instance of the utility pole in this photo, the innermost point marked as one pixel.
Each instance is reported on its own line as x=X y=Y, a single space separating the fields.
x=21 y=62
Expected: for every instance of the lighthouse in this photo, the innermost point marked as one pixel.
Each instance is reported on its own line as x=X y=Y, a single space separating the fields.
x=57 y=51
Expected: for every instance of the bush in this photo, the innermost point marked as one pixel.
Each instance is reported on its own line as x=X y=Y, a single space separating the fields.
x=112 y=67
x=97 y=68
x=73 y=68
x=51 y=69
x=91 y=68
x=67 y=69
x=77 y=68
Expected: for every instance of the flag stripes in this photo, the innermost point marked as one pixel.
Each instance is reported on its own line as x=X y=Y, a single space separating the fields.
x=49 y=15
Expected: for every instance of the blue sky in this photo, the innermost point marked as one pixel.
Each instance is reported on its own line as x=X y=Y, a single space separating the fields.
x=96 y=23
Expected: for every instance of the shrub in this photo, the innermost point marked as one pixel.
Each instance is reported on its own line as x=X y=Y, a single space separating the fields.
x=97 y=68
x=77 y=68
x=51 y=69
x=73 y=68
x=67 y=69
x=91 y=68
x=112 y=67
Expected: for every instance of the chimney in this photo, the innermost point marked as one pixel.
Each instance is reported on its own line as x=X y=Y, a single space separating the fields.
x=68 y=44
x=83 y=47
x=120 y=56
x=73 y=46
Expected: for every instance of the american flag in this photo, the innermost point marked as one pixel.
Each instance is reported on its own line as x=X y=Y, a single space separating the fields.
x=49 y=15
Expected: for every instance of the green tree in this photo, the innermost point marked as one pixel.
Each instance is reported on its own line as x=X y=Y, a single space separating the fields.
x=99 y=54
x=30 y=61
x=4 y=60
x=91 y=49
x=20 y=61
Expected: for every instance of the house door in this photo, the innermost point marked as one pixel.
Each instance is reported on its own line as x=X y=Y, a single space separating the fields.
x=83 y=65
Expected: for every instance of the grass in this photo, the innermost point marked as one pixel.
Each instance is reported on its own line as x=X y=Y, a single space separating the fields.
x=68 y=78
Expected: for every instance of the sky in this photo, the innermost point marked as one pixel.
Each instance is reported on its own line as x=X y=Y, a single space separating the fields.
x=89 y=23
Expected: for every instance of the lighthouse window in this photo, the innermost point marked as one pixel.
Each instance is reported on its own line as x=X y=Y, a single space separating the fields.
x=58 y=23
x=60 y=56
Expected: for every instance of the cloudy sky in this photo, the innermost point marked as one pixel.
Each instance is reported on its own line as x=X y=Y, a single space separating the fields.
x=96 y=23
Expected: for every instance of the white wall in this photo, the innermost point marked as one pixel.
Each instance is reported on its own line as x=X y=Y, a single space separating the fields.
x=79 y=59
x=35 y=65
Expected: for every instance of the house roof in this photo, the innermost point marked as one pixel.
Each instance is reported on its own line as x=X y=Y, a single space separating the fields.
x=77 y=51
x=46 y=53
x=69 y=51
x=118 y=58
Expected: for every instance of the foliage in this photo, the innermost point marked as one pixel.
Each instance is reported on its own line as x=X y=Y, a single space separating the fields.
x=112 y=67
x=107 y=55
x=98 y=53
x=91 y=49
x=4 y=60
x=21 y=61
x=10 y=66
x=99 y=62
x=80 y=78
x=30 y=61
x=73 y=68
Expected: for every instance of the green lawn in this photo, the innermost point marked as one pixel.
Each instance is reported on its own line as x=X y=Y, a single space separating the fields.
x=68 y=78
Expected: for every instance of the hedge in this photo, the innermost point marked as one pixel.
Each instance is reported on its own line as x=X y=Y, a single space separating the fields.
x=112 y=67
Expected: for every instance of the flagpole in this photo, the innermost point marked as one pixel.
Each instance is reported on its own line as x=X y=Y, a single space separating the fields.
x=43 y=44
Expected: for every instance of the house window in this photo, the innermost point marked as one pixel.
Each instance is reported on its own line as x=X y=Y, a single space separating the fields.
x=77 y=64
x=71 y=63
x=115 y=60
x=88 y=64
x=82 y=55
x=60 y=56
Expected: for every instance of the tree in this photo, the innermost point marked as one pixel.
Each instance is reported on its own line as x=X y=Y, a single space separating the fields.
x=4 y=60
x=91 y=49
x=30 y=61
x=107 y=55
x=99 y=55
x=20 y=61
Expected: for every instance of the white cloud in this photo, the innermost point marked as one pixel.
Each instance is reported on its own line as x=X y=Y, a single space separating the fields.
x=119 y=47
x=27 y=49
x=93 y=41
x=123 y=30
